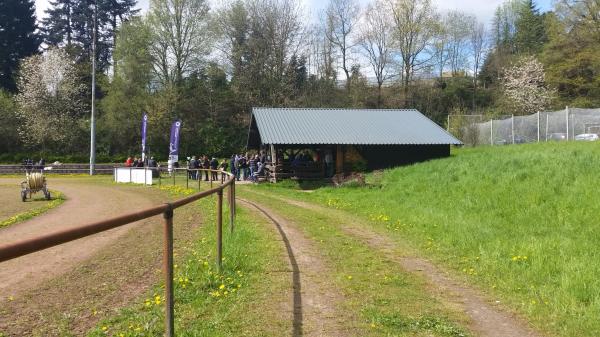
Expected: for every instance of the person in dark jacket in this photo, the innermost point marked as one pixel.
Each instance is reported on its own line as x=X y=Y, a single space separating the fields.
x=206 y=166
x=252 y=164
x=153 y=165
x=214 y=165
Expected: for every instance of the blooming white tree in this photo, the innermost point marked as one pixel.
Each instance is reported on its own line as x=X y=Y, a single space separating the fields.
x=50 y=100
x=524 y=87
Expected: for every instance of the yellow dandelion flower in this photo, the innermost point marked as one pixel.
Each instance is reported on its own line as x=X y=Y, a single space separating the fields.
x=104 y=328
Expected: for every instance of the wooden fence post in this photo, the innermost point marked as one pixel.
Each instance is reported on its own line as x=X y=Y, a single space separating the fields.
x=168 y=270
x=219 y=230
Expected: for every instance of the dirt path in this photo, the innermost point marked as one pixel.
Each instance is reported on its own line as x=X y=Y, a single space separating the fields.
x=315 y=301
x=85 y=203
x=486 y=319
x=12 y=205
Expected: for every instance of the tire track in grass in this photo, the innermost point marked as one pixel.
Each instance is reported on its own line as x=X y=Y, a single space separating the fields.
x=485 y=319
x=314 y=301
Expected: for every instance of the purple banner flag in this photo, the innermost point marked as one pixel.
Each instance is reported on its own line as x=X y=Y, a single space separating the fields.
x=174 y=142
x=144 y=130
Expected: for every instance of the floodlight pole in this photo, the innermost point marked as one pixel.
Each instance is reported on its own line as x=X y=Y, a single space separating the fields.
x=93 y=117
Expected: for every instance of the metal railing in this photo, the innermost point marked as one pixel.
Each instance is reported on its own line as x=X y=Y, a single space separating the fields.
x=24 y=247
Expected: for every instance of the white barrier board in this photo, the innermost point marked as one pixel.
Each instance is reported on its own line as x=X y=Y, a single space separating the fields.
x=136 y=175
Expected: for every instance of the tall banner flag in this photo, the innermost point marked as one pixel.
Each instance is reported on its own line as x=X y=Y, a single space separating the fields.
x=174 y=144
x=144 y=130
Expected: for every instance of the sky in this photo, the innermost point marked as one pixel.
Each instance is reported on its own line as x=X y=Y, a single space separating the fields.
x=483 y=9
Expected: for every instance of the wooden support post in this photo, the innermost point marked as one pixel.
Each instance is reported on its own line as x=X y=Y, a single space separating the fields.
x=274 y=163
x=339 y=160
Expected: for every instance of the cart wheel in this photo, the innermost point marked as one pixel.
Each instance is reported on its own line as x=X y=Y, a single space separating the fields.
x=47 y=194
x=23 y=195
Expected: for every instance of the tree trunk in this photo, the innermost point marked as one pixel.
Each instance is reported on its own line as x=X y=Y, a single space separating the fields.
x=379 y=84
x=406 y=81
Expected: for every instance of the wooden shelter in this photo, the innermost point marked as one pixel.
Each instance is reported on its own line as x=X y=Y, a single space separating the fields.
x=317 y=143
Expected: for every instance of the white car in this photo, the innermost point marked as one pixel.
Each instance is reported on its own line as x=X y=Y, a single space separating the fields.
x=588 y=137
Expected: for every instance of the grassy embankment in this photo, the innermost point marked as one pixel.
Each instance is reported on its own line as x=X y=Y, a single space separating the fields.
x=521 y=222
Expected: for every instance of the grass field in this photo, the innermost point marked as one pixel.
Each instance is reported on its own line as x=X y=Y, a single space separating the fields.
x=13 y=210
x=521 y=222
x=209 y=303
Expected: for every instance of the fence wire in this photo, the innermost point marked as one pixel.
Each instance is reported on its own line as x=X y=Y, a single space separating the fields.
x=561 y=125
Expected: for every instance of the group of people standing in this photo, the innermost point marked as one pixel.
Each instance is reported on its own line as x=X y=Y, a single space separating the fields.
x=202 y=162
x=242 y=166
x=247 y=166
x=138 y=162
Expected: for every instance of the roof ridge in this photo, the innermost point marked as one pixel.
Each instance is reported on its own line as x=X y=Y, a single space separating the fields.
x=337 y=109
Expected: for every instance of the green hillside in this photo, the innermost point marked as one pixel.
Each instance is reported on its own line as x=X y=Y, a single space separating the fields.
x=522 y=222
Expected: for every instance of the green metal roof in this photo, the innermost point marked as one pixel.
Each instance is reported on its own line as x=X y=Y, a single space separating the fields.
x=348 y=126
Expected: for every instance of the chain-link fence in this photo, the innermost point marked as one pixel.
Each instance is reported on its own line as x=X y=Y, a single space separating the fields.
x=561 y=125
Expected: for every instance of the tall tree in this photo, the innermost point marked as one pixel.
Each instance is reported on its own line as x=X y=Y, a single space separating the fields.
x=376 y=41
x=440 y=46
x=341 y=20
x=17 y=38
x=128 y=94
x=478 y=47
x=180 y=36
x=233 y=28
x=571 y=57
x=458 y=26
x=530 y=35
x=262 y=37
x=70 y=23
x=414 y=27
x=58 y=25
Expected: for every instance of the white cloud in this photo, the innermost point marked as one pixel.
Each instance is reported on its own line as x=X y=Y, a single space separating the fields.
x=482 y=9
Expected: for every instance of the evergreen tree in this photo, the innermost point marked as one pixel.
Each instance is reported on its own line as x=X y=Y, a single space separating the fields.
x=17 y=37
x=58 y=25
x=530 y=35
x=70 y=23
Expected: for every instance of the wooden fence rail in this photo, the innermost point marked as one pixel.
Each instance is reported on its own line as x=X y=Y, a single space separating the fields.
x=17 y=249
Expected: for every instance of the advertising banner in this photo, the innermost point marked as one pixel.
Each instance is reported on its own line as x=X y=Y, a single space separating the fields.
x=144 y=131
